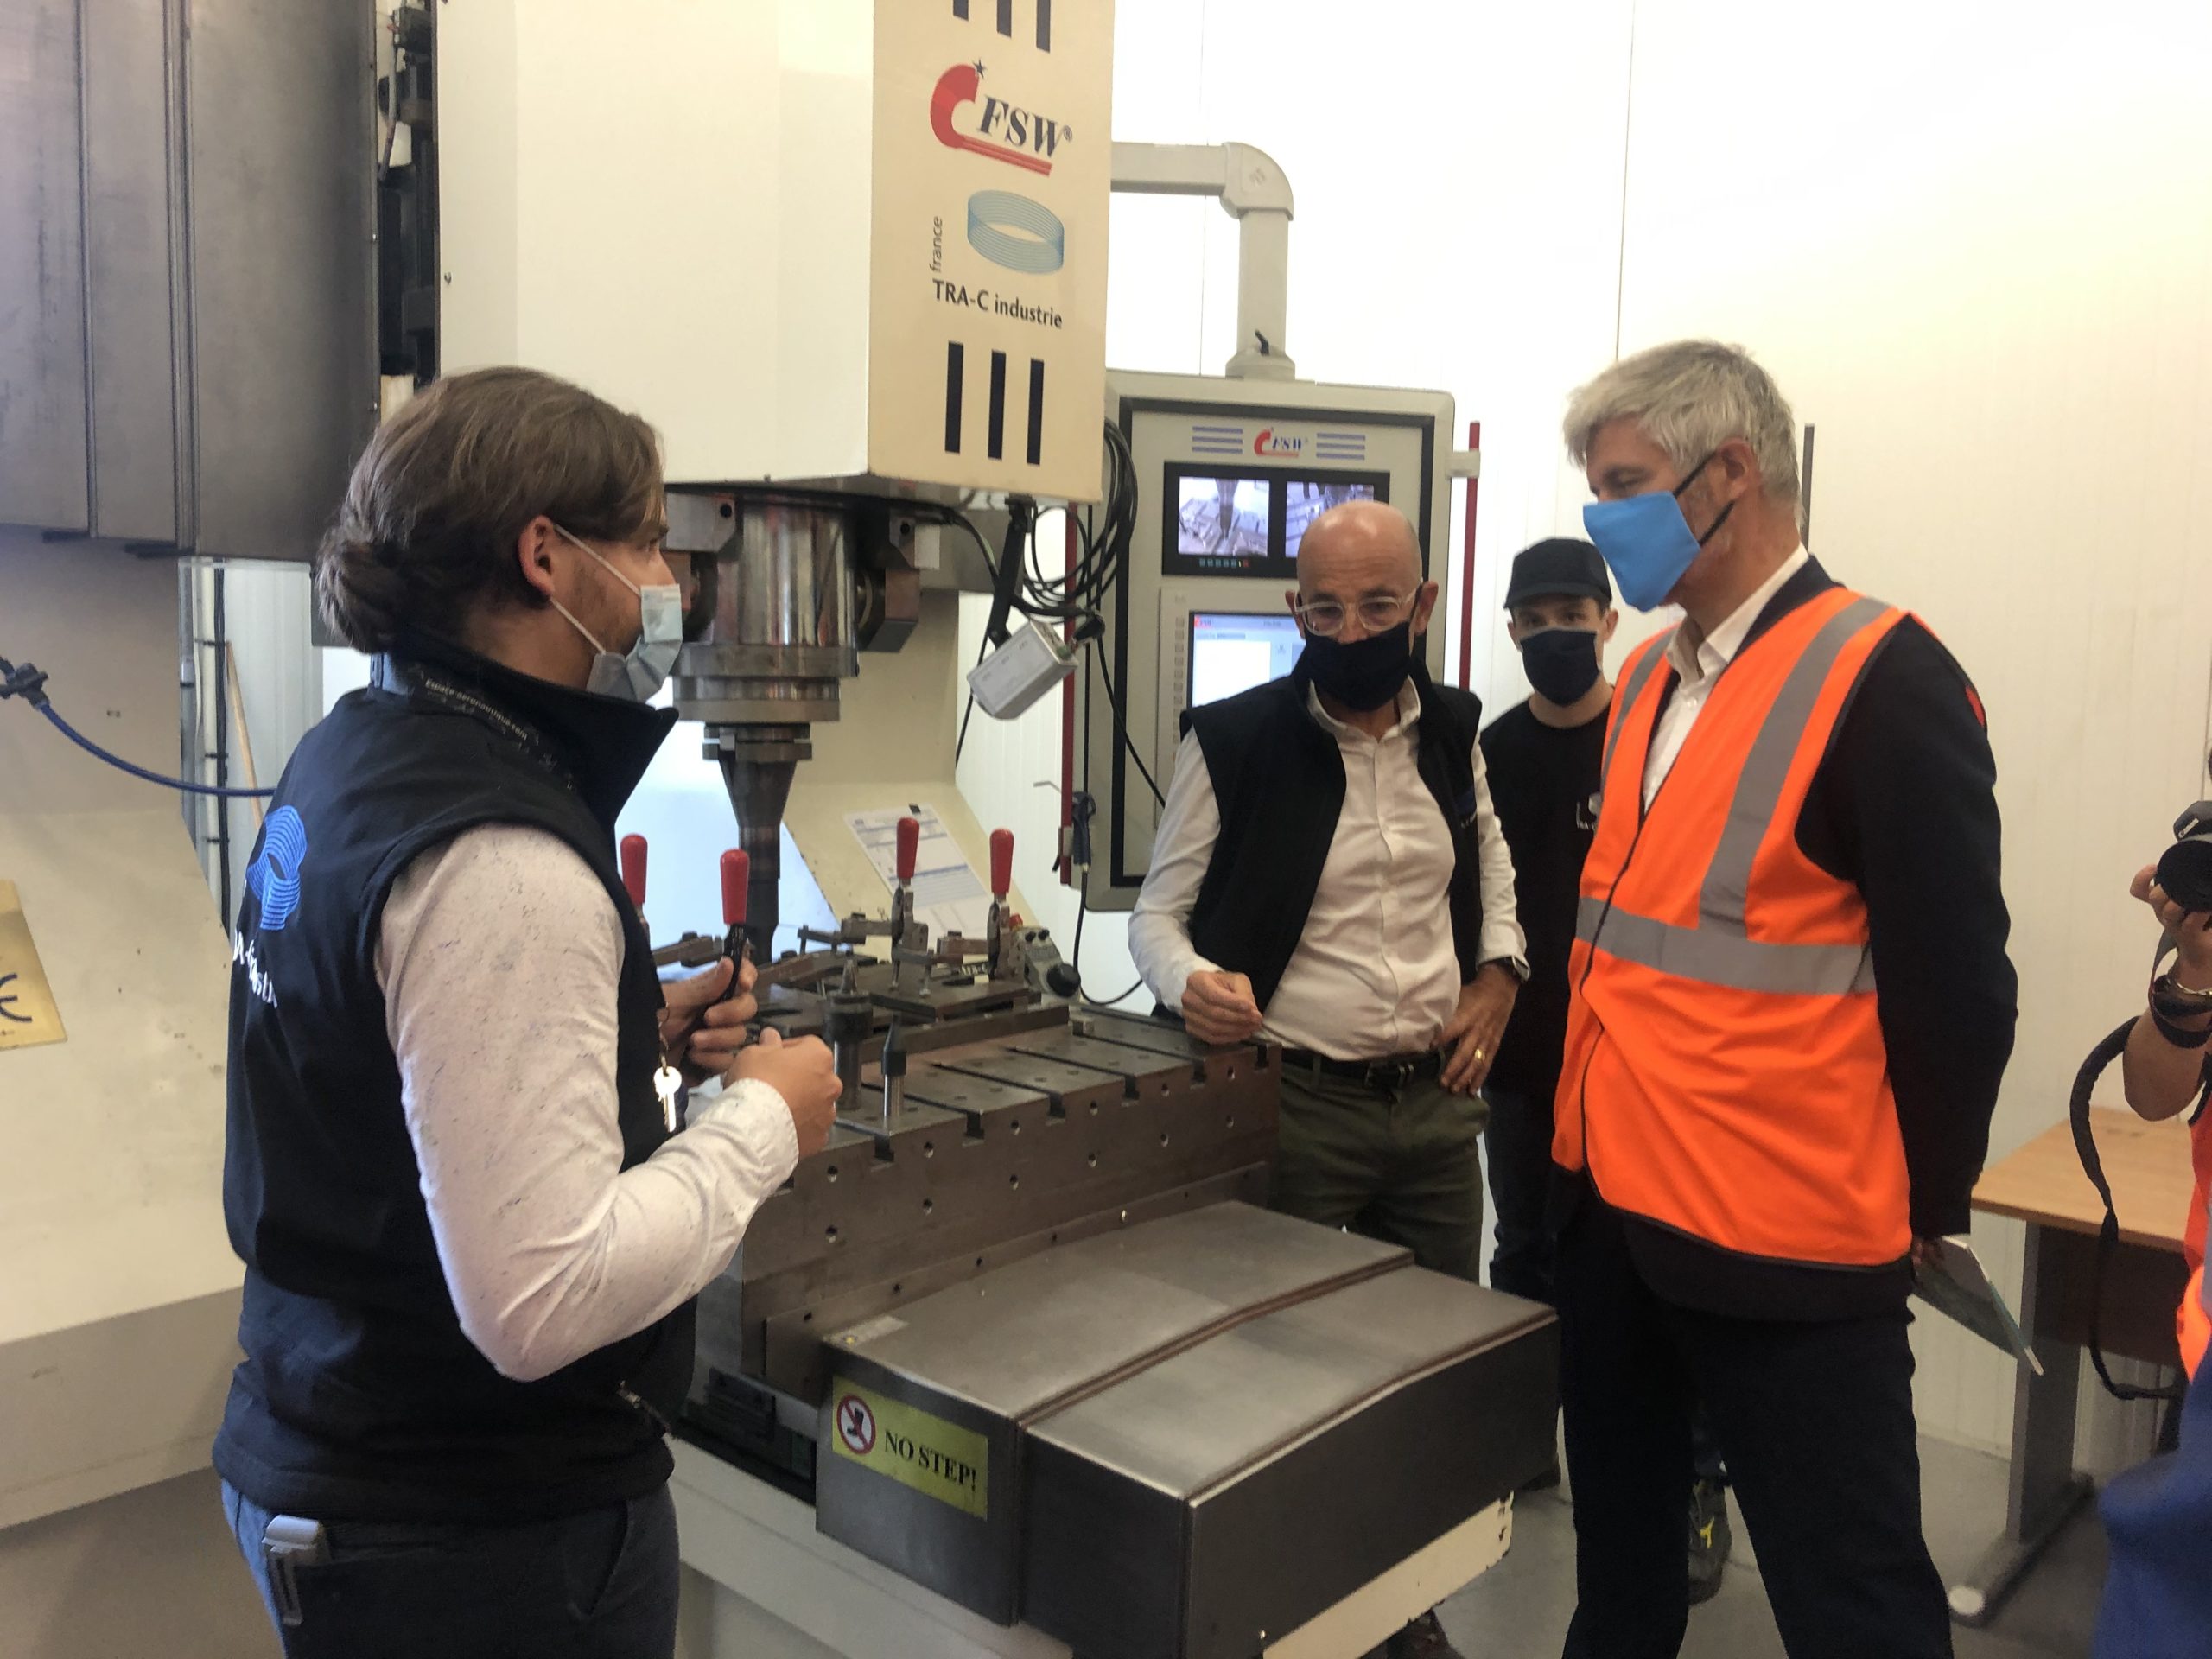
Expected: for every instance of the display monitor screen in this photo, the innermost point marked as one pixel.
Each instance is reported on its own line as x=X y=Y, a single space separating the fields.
x=1223 y=519
x=1305 y=499
x=1232 y=651
x=1246 y=521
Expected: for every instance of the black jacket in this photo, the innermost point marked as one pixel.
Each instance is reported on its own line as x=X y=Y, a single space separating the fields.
x=1279 y=780
x=360 y=1396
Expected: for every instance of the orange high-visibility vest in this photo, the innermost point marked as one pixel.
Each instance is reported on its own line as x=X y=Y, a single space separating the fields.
x=2193 y=1319
x=1725 y=1072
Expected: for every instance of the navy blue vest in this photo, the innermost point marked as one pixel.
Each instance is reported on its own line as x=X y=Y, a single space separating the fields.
x=360 y=1397
x=1279 y=779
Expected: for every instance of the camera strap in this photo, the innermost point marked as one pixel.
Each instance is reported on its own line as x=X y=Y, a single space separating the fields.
x=2085 y=1146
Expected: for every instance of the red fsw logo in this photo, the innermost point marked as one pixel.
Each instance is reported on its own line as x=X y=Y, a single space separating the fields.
x=1003 y=132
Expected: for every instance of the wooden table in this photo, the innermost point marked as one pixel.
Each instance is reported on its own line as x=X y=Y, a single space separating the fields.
x=2042 y=1185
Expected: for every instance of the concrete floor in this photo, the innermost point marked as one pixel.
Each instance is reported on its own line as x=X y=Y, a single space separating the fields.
x=1521 y=1608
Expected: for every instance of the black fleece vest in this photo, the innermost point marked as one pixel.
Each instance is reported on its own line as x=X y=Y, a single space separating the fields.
x=1279 y=779
x=360 y=1396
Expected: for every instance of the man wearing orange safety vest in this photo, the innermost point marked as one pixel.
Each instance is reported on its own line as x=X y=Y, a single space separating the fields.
x=1792 y=1007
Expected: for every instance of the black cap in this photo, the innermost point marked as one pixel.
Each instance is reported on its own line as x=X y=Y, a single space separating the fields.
x=1562 y=567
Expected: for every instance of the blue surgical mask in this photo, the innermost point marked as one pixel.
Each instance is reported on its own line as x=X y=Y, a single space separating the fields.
x=1646 y=540
x=642 y=672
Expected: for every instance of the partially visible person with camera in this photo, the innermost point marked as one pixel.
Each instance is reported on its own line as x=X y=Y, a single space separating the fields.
x=2157 y=1599
x=2166 y=1066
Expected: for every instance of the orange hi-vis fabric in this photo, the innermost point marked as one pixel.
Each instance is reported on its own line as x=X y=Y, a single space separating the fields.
x=2193 y=1319
x=2193 y=1323
x=1725 y=1075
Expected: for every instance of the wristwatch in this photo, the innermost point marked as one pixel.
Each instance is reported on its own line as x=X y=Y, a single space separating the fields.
x=2171 y=1003
x=2166 y=986
x=1519 y=970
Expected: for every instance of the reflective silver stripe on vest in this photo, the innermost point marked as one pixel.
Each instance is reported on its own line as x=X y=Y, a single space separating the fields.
x=1766 y=769
x=1723 y=955
x=1631 y=688
x=1720 y=950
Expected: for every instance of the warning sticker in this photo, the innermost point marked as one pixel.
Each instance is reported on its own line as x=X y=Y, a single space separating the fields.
x=28 y=1016
x=937 y=1459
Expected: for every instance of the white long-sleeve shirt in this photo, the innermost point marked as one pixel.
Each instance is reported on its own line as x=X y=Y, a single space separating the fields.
x=499 y=954
x=1697 y=661
x=1375 y=972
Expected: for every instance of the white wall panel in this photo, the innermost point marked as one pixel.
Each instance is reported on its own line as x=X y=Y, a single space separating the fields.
x=1978 y=259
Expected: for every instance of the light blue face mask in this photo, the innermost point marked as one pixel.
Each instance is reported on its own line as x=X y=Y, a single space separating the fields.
x=1646 y=543
x=645 y=669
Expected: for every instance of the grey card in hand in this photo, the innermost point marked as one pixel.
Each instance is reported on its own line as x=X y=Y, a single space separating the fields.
x=1953 y=1282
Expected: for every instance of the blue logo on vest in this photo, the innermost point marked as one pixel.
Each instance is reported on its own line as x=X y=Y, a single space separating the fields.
x=275 y=876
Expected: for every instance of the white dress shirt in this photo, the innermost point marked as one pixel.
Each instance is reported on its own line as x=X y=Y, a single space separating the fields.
x=1697 y=663
x=499 y=954
x=1375 y=972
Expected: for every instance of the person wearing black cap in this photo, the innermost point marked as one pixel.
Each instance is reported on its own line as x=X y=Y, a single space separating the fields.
x=1543 y=757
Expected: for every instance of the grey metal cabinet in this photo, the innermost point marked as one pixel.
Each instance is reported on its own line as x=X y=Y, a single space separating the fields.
x=188 y=352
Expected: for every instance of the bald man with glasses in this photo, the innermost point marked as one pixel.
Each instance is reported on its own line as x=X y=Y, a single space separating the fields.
x=1329 y=874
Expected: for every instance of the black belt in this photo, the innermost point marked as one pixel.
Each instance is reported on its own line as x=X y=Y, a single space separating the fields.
x=1393 y=1072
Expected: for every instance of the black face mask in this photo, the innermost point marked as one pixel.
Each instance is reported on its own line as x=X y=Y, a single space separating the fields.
x=1561 y=664
x=1363 y=675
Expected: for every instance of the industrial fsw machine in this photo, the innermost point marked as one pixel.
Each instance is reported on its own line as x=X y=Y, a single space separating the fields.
x=1024 y=1331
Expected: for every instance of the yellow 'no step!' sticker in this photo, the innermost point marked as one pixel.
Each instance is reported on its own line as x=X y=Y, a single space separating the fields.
x=28 y=1016
x=939 y=1459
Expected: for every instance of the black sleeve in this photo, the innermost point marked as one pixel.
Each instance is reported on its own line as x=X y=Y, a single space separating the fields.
x=1904 y=806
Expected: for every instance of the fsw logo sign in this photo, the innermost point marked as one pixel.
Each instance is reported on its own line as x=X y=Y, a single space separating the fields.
x=1272 y=442
x=1001 y=133
x=274 y=877
x=1004 y=9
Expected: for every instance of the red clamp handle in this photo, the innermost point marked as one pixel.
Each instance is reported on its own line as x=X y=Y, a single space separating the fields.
x=633 y=868
x=1001 y=862
x=909 y=843
x=737 y=876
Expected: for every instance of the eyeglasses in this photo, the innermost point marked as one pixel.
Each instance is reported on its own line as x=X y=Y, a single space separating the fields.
x=1326 y=618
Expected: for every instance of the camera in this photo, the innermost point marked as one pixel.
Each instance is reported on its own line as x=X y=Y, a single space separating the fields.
x=2185 y=867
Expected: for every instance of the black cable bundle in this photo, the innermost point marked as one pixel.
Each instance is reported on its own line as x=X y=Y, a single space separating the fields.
x=1078 y=595
x=2085 y=1146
